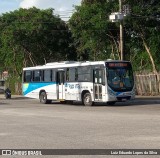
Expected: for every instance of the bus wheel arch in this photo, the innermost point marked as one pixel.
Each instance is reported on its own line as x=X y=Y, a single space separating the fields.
x=43 y=97
x=86 y=98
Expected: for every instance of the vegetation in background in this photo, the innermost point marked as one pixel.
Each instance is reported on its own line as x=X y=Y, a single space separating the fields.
x=94 y=34
x=98 y=37
x=142 y=29
x=30 y=37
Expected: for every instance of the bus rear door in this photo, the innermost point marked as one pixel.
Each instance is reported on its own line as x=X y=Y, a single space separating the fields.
x=60 y=85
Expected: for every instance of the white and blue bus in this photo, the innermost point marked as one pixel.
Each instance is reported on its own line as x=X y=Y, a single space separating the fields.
x=108 y=81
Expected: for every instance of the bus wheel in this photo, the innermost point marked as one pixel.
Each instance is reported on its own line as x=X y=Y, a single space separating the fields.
x=87 y=99
x=43 y=98
x=111 y=103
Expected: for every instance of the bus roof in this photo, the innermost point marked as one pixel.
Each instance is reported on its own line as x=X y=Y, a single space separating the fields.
x=63 y=64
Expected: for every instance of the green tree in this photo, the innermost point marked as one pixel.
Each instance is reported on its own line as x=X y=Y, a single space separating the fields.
x=142 y=30
x=31 y=37
x=95 y=37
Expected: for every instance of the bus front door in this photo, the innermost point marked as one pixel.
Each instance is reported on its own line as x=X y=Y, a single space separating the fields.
x=98 y=84
x=60 y=85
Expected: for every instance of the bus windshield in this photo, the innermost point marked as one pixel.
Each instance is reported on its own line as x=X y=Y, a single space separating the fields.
x=120 y=76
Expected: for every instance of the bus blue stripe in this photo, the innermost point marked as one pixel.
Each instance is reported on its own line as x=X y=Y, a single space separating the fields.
x=29 y=87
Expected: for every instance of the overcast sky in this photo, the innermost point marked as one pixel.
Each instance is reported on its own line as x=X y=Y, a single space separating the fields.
x=62 y=7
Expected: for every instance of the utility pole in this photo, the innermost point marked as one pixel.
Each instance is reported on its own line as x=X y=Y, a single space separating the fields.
x=121 y=33
x=124 y=10
x=118 y=17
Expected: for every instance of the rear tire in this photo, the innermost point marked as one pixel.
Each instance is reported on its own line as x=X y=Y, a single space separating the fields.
x=87 y=99
x=43 y=98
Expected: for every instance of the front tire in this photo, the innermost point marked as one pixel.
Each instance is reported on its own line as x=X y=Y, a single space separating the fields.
x=87 y=99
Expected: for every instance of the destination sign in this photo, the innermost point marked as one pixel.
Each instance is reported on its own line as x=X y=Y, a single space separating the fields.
x=117 y=64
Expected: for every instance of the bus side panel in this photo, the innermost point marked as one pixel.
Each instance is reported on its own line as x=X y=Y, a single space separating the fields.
x=32 y=90
x=73 y=91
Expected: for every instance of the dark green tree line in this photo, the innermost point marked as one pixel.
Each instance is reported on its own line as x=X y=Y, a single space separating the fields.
x=142 y=28
x=97 y=38
x=30 y=37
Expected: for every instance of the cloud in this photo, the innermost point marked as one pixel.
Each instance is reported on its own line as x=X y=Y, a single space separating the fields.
x=7 y=6
x=56 y=4
x=64 y=8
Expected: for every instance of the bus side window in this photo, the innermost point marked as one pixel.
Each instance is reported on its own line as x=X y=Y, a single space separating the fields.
x=36 y=75
x=47 y=75
x=76 y=74
x=27 y=76
x=72 y=74
x=53 y=75
x=84 y=73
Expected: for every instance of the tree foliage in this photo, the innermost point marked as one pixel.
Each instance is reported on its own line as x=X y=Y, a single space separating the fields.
x=31 y=37
x=94 y=35
x=142 y=26
x=98 y=38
